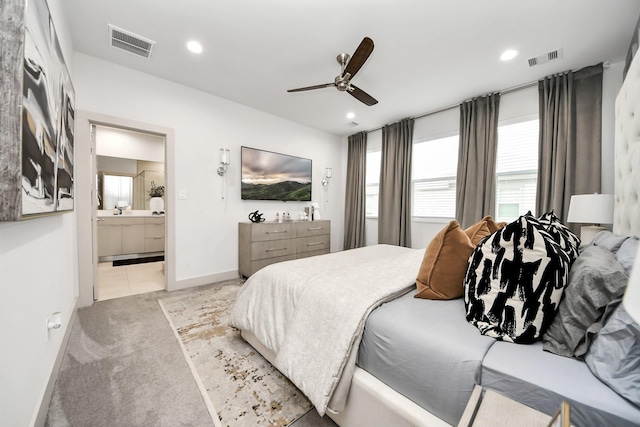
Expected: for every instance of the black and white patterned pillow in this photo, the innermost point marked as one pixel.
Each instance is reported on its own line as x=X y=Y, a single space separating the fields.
x=561 y=234
x=514 y=282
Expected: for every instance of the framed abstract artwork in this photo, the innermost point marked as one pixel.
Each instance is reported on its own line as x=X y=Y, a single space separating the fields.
x=37 y=122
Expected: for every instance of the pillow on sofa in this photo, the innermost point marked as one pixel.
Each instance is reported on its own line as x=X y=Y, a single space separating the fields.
x=561 y=234
x=445 y=261
x=614 y=355
x=514 y=282
x=596 y=284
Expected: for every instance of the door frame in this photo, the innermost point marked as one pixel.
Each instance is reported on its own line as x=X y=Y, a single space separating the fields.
x=85 y=192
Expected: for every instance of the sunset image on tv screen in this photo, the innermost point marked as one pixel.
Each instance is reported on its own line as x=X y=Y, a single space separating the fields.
x=273 y=176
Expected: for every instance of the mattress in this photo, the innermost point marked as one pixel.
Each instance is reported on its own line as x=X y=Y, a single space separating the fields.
x=426 y=351
x=541 y=380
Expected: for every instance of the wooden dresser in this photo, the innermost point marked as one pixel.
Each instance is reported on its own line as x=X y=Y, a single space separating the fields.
x=261 y=244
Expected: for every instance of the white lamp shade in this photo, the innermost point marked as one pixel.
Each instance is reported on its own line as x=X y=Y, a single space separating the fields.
x=632 y=295
x=224 y=156
x=591 y=209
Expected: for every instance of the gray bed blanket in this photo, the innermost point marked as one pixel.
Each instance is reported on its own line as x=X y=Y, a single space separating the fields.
x=311 y=312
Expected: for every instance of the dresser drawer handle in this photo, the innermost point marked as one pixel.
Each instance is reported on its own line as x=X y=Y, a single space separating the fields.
x=275 y=232
x=315 y=243
x=315 y=228
x=276 y=249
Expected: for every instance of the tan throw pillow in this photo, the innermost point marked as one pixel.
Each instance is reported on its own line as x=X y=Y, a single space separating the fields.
x=478 y=231
x=444 y=264
x=493 y=226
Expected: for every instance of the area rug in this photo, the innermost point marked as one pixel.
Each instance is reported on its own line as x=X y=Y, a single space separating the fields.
x=239 y=386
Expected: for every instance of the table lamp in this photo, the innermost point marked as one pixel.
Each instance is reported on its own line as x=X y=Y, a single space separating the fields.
x=592 y=209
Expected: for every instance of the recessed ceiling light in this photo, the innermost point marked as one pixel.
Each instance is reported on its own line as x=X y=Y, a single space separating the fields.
x=509 y=54
x=194 y=46
x=350 y=116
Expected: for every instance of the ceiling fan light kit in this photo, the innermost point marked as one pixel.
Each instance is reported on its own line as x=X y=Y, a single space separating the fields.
x=349 y=65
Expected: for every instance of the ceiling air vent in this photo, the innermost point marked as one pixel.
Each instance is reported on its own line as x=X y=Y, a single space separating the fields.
x=353 y=124
x=132 y=43
x=545 y=57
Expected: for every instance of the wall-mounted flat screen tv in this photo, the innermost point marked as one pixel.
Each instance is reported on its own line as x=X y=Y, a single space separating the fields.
x=274 y=176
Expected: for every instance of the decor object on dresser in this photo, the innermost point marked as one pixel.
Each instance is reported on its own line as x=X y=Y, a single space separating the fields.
x=256 y=216
x=274 y=176
x=261 y=244
x=37 y=98
x=592 y=209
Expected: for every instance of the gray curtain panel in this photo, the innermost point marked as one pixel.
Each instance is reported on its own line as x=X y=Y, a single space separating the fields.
x=569 y=158
x=476 y=180
x=394 y=203
x=355 y=214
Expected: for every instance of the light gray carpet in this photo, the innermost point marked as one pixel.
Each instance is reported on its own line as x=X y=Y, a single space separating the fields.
x=124 y=367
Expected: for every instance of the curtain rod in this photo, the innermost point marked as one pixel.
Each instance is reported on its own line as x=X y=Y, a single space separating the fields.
x=439 y=110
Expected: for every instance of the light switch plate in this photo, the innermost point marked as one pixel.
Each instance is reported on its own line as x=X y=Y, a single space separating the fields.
x=182 y=194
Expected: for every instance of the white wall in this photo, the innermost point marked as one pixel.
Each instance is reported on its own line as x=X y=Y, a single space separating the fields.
x=206 y=225
x=130 y=145
x=38 y=276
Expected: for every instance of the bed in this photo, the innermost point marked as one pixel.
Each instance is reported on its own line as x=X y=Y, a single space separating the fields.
x=378 y=374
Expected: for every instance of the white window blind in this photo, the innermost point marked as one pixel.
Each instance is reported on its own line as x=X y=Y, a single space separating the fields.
x=372 y=183
x=516 y=169
x=435 y=164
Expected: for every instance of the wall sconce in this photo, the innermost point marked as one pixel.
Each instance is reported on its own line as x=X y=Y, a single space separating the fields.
x=327 y=176
x=222 y=170
x=224 y=161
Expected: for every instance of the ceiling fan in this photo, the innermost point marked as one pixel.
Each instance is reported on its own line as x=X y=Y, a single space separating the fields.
x=349 y=69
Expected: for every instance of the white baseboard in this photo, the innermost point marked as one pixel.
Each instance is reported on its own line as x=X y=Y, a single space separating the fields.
x=40 y=416
x=204 y=280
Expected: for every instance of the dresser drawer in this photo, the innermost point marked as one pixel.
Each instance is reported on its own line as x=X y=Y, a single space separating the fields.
x=261 y=263
x=310 y=254
x=312 y=244
x=272 y=231
x=272 y=249
x=313 y=228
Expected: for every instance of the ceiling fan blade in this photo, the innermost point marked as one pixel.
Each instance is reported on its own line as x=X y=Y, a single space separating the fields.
x=300 y=89
x=361 y=95
x=359 y=57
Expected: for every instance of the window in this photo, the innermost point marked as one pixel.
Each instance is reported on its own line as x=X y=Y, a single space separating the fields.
x=516 y=170
x=435 y=165
x=372 y=183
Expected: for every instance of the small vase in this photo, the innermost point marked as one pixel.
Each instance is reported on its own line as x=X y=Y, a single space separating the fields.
x=156 y=204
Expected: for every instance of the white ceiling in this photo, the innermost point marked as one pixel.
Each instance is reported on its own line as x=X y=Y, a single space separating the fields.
x=428 y=54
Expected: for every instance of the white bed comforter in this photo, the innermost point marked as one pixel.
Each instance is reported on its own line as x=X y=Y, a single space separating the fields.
x=311 y=312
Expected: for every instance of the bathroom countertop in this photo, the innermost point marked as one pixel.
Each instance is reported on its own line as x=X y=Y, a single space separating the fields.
x=135 y=214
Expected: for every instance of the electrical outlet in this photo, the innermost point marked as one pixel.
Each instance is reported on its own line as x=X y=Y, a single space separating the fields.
x=53 y=322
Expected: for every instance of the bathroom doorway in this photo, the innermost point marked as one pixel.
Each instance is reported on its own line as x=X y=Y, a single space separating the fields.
x=129 y=211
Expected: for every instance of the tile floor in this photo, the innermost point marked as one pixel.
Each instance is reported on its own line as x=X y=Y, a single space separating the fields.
x=117 y=282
